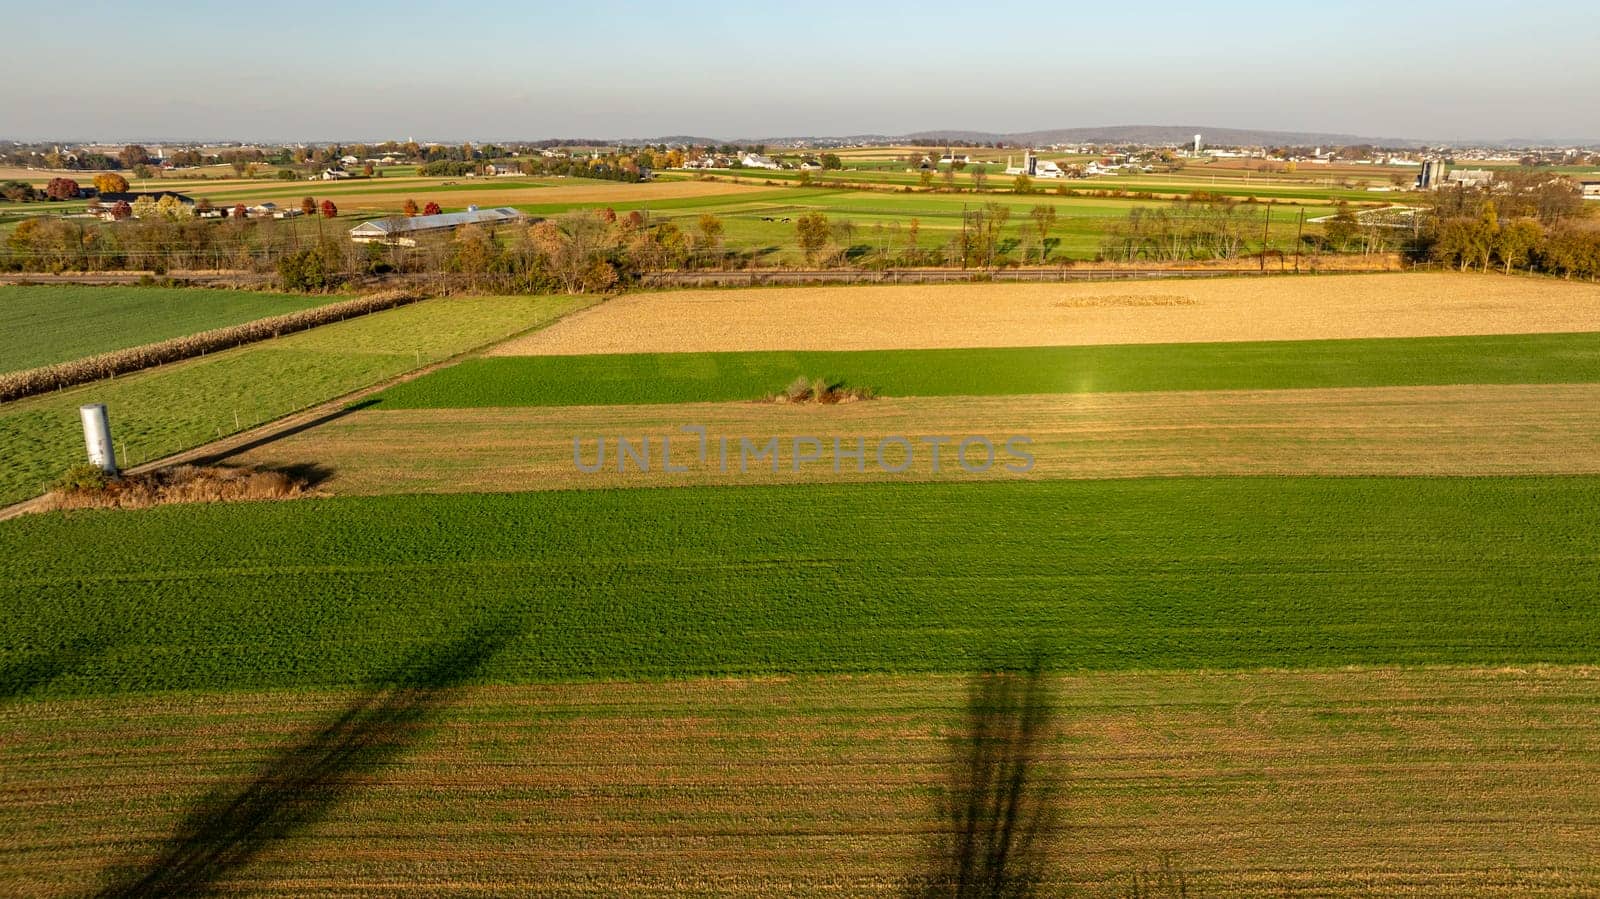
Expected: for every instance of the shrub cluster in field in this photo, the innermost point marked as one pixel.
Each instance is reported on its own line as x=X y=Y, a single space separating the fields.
x=822 y=392
x=1134 y=574
x=88 y=487
x=644 y=378
x=16 y=385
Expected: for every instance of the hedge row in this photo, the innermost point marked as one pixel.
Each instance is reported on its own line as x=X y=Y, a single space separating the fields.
x=17 y=385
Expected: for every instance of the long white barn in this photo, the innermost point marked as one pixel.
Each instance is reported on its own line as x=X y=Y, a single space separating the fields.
x=400 y=229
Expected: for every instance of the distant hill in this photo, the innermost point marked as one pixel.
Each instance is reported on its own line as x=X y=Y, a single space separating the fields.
x=1174 y=134
x=1140 y=134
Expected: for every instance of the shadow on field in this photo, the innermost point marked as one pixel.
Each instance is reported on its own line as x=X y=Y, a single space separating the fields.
x=227 y=828
x=22 y=676
x=998 y=817
x=275 y=436
x=309 y=475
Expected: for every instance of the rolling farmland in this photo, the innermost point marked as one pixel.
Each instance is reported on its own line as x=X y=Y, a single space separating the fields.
x=758 y=208
x=662 y=474
x=1312 y=562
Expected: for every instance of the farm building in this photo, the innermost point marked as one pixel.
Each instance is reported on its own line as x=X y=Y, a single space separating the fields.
x=757 y=161
x=131 y=197
x=1033 y=167
x=1470 y=177
x=273 y=210
x=401 y=230
x=1591 y=189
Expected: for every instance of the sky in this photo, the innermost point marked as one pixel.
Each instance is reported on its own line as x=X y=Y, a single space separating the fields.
x=502 y=70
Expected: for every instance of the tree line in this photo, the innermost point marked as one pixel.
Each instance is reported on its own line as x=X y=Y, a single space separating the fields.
x=1523 y=221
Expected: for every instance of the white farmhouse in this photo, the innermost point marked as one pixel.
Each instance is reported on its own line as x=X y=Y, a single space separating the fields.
x=757 y=161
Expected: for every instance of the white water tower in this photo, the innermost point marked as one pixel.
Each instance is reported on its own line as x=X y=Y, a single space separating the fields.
x=97 y=437
x=1197 y=145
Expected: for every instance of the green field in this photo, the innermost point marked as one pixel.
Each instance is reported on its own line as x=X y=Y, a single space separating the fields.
x=1227 y=182
x=717 y=377
x=161 y=411
x=1158 y=574
x=882 y=218
x=45 y=325
x=879 y=198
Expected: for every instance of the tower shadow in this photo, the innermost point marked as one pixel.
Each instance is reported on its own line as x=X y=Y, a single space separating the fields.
x=231 y=825
x=998 y=817
x=34 y=671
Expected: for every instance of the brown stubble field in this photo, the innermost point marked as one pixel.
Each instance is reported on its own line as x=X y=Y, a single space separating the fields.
x=1385 y=431
x=1265 y=783
x=996 y=315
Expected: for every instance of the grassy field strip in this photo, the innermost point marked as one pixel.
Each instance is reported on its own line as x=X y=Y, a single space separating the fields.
x=46 y=325
x=163 y=410
x=1012 y=315
x=1162 y=574
x=1464 y=430
x=644 y=378
x=1342 y=782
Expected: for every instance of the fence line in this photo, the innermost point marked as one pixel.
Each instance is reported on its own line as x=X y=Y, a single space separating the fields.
x=758 y=278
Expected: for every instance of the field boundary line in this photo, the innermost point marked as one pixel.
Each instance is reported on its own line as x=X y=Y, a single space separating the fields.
x=778 y=277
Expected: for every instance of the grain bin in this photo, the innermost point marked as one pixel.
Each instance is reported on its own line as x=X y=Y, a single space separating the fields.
x=97 y=436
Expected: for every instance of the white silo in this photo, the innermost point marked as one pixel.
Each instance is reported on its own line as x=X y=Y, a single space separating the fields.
x=97 y=436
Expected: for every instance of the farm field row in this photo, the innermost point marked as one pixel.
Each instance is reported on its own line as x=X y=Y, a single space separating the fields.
x=752 y=211
x=1232 y=573
x=643 y=378
x=46 y=325
x=1078 y=235
x=1339 y=782
x=380 y=196
x=1014 y=315
x=163 y=410
x=1457 y=431
x=1171 y=185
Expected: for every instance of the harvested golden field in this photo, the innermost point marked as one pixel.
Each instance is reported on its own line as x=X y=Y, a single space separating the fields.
x=22 y=173
x=1385 y=431
x=1461 y=782
x=991 y=315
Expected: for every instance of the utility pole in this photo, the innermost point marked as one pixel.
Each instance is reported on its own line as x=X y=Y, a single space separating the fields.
x=1266 y=223
x=1298 y=239
x=963 y=237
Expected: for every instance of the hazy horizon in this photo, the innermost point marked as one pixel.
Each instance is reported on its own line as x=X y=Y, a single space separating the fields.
x=1428 y=71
